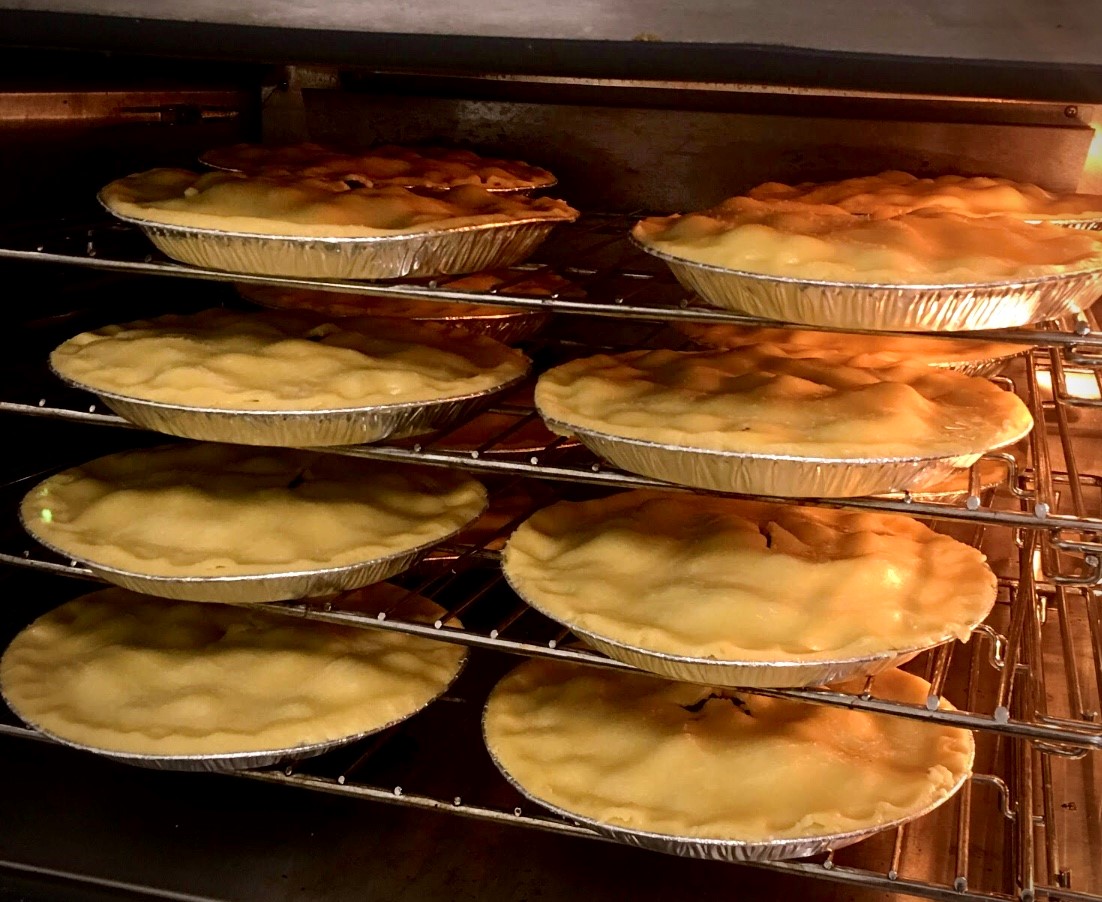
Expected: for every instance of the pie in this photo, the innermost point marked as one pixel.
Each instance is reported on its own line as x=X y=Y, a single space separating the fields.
x=283 y=361
x=826 y=243
x=728 y=580
x=301 y=207
x=206 y=510
x=141 y=676
x=387 y=166
x=340 y=303
x=753 y=403
x=638 y=753
x=891 y=193
x=853 y=350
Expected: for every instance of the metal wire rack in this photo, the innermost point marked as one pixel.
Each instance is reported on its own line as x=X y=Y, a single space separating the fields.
x=1011 y=682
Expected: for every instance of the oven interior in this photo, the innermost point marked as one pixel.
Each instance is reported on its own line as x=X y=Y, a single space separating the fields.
x=418 y=812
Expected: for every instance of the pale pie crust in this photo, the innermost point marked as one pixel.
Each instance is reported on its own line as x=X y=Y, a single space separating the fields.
x=645 y=754
x=893 y=192
x=730 y=580
x=269 y=360
x=138 y=675
x=746 y=402
x=297 y=207
x=210 y=510
x=825 y=243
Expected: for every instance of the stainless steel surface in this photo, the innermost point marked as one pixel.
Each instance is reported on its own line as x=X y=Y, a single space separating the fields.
x=1061 y=33
x=463 y=249
x=296 y=428
x=637 y=146
x=889 y=308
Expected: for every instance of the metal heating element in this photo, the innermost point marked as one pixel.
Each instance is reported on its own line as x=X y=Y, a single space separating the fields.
x=1030 y=681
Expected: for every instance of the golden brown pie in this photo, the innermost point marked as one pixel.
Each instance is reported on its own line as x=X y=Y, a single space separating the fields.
x=853 y=350
x=748 y=402
x=730 y=580
x=387 y=166
x=822 y=242
x=301 y=207
x=136 y=675
x=643 y=754
x=891 y=193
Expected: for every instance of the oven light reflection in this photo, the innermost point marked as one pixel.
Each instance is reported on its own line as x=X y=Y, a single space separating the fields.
x=1077 y=384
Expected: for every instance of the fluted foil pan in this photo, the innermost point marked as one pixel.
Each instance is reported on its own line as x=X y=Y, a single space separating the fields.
x=465 y=249
x=263 y=587
x=889 y=308
x=1085 y=225
x=768 y=474
x=737 y=674
x=732 y=850
x=231 y=762
x=296 y=428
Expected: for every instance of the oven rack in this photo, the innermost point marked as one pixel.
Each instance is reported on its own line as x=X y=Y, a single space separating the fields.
x=616 y=279
x=464 y=578
x=405 y=766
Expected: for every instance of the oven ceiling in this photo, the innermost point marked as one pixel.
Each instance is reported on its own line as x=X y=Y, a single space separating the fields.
x=997 y=48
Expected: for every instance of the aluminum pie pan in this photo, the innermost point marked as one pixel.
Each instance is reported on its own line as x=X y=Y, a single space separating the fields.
x=887 y=307
x=295 y=428
x=1085 y=224
x=731 y=674
x=258 y=588
x=745 y=473
x=463 y=249
x=512 y=325
x=730 y=850
x=232 y=762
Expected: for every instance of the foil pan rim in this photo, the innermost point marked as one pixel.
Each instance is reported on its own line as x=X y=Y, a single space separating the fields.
x=586 y=432
x=746 y=850
x=1030 y=282
x=230 y=762
x=247 y=578
x=206 y=232
x=730 y=663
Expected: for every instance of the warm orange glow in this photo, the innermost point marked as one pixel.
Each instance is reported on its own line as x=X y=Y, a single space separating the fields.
x=1091 y=180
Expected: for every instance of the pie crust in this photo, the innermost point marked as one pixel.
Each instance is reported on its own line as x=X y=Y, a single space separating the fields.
x=891 y=193
x=269 y=360
x=640 y=753
x=299 y=207
x=142 y=676
x=753 y=403
x=206 y=510
x=387 y=166
x=731 y=580
x=871 y=351
x=826 y=243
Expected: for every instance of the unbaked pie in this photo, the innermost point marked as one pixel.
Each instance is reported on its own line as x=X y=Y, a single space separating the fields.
x=748 y=402
x=873 y=351
x=891 y=193
x=821 y=242
x=134 y=675
x=387 y=166
x=283 y=361
x=300 y=207
x=204 y=510
x=726 y=580
x=636 y=753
